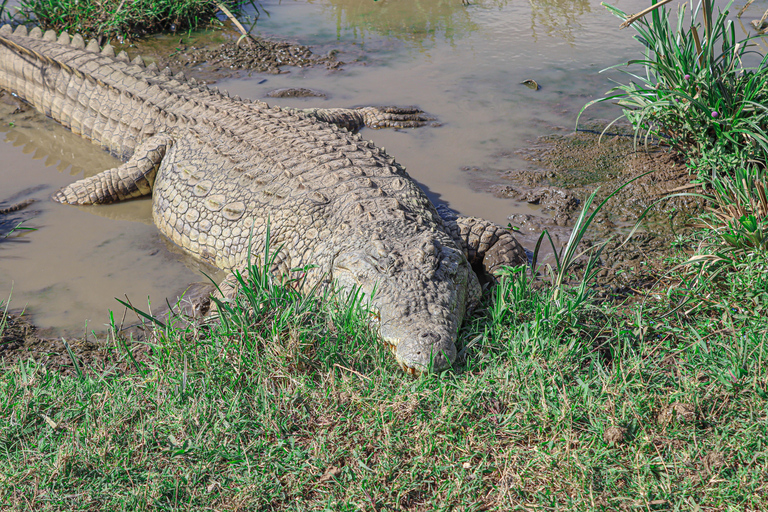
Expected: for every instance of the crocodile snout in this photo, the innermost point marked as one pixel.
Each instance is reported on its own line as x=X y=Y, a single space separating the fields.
x=428 y=348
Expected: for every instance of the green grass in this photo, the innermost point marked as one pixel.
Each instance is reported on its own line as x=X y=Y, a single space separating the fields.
x=126 y=18
x=307 y=411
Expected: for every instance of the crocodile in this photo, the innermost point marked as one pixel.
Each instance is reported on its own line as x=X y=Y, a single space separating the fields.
x=224 y=171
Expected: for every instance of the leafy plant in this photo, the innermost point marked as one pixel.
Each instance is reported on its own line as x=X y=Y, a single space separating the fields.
x=694 y=92
x=741 y=216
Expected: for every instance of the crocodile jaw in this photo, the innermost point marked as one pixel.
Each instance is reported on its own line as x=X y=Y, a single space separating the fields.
x=430 y=348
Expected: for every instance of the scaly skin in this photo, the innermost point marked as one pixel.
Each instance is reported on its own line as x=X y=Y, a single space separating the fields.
x=221 y=169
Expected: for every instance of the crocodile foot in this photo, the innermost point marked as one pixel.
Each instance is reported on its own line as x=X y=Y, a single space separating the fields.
x=394 y=117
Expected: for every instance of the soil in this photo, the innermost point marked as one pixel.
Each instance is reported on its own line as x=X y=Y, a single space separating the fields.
x=298 y=92
x=565 y=169
x=212 y=56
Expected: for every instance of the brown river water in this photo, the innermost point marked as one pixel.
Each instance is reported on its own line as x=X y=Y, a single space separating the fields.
x=462 y=64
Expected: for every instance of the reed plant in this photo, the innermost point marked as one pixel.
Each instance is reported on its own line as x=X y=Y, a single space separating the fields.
x=692 y=89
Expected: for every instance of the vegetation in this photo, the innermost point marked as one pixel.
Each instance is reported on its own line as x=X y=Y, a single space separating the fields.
x=694 y=92
x=299 y=408
x=121 y=17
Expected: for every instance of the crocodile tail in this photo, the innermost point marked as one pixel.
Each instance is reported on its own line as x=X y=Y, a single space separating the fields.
x=79 y=93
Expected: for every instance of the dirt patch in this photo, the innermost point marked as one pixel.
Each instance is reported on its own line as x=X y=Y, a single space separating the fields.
x=565 y=169
x=220 y=54
x=20 y=340
x=573 y=165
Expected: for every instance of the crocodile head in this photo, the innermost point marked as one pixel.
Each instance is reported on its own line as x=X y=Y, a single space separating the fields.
x=419 y=292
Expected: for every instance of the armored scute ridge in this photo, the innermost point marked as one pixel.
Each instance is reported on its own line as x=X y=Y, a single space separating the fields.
x=219 y=169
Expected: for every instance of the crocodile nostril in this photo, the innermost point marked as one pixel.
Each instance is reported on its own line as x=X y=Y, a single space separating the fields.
x=430 y=336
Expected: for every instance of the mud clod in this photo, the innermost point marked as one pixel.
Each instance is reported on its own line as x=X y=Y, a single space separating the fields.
x=677 y=411
x=298 y=92
x=714 y=461
x=614 y=436
x=227 y=59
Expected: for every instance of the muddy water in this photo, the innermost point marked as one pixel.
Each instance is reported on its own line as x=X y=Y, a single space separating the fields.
x=69 y=270
x=463 y=64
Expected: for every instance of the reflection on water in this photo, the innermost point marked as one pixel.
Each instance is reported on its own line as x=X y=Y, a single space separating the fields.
x=412 y=20
x=557 y=18
x=58 y=148
x=419 y=21
x=68 y=271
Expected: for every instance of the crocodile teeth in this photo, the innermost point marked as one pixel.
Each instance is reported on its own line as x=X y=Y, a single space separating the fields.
x=123 y=56
x=77 y=41
x=108 y=51
x=166 y=71
x=179 y=76
x=63 y=38
x=152 y=67
x=138 y=61
x=21 y=30
x=36 y=33
x=93 y=46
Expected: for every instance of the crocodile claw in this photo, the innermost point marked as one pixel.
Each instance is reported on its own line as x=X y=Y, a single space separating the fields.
x=395 y=117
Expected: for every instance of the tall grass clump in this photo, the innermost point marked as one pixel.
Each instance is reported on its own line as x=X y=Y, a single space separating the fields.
x=692 y=89
x=122 y=17
x=566 y=295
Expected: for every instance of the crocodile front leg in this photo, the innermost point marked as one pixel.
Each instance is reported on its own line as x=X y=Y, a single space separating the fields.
x=488 y=245
x=354 y=119
x=132 y=179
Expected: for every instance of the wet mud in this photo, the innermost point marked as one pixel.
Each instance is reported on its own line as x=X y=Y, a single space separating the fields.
x=94 y=352
x=567 y=168
x=218 y=54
